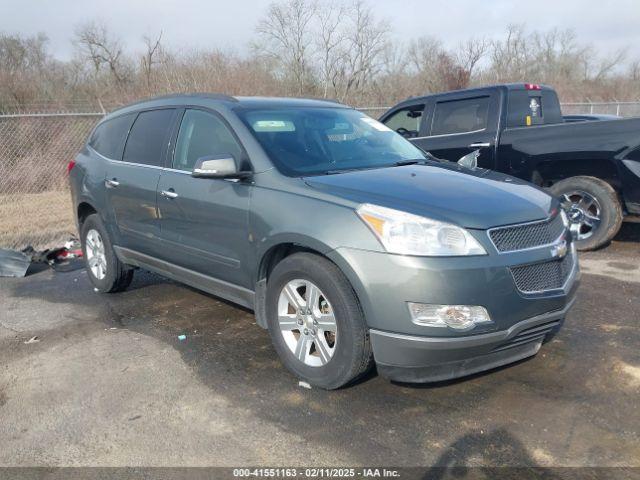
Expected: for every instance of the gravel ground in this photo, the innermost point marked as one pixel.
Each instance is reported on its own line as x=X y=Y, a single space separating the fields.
x=108 y=383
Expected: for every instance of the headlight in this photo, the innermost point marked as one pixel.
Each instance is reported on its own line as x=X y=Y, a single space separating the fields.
x=407 y=234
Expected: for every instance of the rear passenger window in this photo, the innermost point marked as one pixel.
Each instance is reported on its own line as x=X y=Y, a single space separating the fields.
x=203 y=134
x=148 y=137
x=460 y=116
x=406 y=121
x=108 y=139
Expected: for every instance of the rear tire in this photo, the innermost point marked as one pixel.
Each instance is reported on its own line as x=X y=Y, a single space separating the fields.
x=593 y=208
x=106 y=272
x=349 y=354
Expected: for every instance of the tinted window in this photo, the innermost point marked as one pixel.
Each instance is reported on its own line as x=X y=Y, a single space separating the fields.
x=459 y=116
x=408 y=120
x=148 y=137
x=542 y=106
x=108 y=139
x=314 y=141
x=634 y=154
x=203 y=134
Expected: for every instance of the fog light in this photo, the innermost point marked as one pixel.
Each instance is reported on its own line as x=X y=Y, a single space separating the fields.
x=458 y=317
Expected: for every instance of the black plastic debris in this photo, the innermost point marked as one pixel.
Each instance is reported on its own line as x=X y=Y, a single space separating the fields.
x=62 y=259
x=13 y=263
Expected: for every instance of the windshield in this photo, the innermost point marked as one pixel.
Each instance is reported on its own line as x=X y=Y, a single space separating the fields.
x=316 y=141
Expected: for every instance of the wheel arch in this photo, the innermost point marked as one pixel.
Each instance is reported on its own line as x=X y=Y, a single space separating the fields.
x=281 y=248
x=83 y=211
x=548 y=172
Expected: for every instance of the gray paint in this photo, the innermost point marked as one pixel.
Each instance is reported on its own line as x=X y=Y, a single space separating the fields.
x=215 y=233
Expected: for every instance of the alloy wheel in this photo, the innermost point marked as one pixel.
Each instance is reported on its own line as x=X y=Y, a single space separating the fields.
x=96 y=257
x=307 y=322
x=584 y=212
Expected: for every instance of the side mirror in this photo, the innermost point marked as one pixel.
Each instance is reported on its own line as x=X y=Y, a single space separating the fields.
x=470 y=160
x=217 y=166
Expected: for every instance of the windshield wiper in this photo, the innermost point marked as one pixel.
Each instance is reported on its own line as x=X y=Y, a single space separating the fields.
x=402 y=163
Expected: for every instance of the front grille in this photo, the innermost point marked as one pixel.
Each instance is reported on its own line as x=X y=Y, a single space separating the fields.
x=540 y=277
x=527 y=235
x=528 y=335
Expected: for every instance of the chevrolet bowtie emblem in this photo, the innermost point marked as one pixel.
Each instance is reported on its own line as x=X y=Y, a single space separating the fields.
x=559 y=249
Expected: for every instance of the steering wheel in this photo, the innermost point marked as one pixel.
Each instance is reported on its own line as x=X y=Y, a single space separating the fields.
x=404 y=132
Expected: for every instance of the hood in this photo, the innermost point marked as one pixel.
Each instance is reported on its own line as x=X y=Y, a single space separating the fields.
x=478 y=198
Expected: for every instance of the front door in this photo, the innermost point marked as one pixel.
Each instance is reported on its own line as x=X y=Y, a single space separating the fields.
x=132 y=183
x=204 y=221
x=459 y=126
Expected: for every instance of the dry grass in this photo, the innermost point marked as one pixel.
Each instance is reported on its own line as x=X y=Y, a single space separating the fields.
x=41 y=220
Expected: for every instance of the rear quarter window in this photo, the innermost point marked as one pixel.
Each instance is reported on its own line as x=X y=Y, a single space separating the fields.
x=109 y=137
x=542 y=106
x=148 y=137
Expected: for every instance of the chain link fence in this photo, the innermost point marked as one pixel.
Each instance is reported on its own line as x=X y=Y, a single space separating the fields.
x=622 y=109
x=35 y=206
x=35 y=149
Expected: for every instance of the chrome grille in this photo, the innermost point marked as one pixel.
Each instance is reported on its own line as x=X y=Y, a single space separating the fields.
x=540 y=277
x=527 y=235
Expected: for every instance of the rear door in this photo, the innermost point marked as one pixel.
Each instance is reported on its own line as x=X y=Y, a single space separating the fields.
x=132 y=182
x=204 y=221
x=458 y=124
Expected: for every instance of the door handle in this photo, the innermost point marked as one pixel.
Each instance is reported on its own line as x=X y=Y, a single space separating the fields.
x=113 y=183
x=480 y=145
x=169 y=193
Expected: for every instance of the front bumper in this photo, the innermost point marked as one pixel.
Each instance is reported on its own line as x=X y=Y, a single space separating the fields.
x=407 y=358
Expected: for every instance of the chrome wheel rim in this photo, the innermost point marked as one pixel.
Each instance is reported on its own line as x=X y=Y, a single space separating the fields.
x=96 y=257
x=307 y=322
x=583 y=211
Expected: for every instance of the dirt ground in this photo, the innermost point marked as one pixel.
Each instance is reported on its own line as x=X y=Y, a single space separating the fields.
x=108 y=383
x=41 y=220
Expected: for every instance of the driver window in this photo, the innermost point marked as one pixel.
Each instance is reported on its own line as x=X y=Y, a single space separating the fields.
x=203 y=134
x=406 y=121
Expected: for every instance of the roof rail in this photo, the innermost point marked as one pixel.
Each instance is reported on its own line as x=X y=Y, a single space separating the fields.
x=213 y=96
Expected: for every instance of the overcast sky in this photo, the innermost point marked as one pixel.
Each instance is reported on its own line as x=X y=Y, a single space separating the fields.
x=229 y=24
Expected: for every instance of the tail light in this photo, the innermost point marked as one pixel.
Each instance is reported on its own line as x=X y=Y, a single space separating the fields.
x=70 y=165
x=531 y=86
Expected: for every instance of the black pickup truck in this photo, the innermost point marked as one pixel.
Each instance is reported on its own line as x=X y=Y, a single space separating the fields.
x=594 y=166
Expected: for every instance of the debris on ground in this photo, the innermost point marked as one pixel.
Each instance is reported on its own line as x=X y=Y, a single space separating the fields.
x=32 y=340
x=13 y=263
x=304 y=385
x=67 y=258
x=182 y=337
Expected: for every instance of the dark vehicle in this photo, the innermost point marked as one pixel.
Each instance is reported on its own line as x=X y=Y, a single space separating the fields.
x=518 y=129
x=347 y=242
x=589 y=117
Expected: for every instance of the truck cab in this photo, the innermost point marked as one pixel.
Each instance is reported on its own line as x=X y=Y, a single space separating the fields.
x=519 y=129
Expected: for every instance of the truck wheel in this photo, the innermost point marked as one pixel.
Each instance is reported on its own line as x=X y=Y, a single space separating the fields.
x=593 y=208
x=106 y=272
x=315 y=322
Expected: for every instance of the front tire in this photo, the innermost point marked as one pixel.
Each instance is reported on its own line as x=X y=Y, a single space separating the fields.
x=593 y=208
x=106 y=272
x=315 y=322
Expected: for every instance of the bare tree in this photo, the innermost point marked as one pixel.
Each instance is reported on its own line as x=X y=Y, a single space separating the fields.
x=101 y=49
x=150 y=57
x=24 y=62
x=330 y=43
x=285 y=35
x=366 y=41
x=470 y=53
